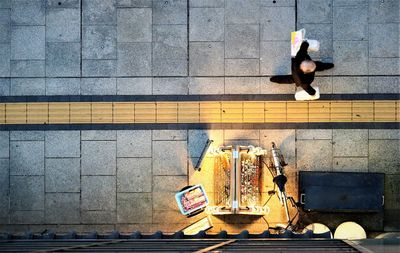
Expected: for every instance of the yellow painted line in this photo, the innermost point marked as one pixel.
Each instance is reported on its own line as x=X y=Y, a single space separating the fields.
x=200 y=112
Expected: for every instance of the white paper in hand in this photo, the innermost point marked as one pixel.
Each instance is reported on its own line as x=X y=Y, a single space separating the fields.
x=303 y=95
x=297 y=38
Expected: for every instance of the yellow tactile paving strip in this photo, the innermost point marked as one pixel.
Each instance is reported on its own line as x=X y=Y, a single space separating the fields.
x=200 y=112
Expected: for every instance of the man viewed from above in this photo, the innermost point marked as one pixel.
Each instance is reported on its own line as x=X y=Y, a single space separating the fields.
x=303 y=70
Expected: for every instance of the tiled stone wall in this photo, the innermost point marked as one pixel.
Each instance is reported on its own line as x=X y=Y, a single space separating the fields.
x=107 y=47
x=127 y=179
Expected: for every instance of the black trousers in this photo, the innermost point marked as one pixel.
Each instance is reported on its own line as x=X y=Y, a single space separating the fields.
x=320 y=66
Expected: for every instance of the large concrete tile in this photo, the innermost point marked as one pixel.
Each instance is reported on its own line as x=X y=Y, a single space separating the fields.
x=169 y=135
x=350 y=57
x=284 y=140
x=27 y=192
x=5 y=54
x=314 y=155
x=166 y=86
x=384 y=134
x=98 y=68
x=169 y=50
x=27 y=136
x=381 y=12
x=99 y=42
x=99 y=12
x=134 y=86
x=63 y=175
x=170 y=12
x=99 y=135
x=245 y=134
x=350 y=142
x=314 y=11
x=27 y=12
x=170 y=157
x=63 y=25
x=275 y=58
x=134 y=25
x=277 y=23
x=206 y=59
x=134 y=175
x=134 y=59
x=63 y=143
x=197 y=140
x=270 y=3
x=27 y=42
x=384 y=66
x=98 y=86
x=206 y=85
x=241 y=41
x=314 y=134
x=4 y=144
x=163 y=201
x=5 y=16
x=206 y=3
x=63 y=86
x=242 y=67
x=242 y=12
x=4 y=86
x=4 y=190
x=169 y=183
x=383 y=84
x=350 y=164
x=27 y=86
x=63 y=59
x=62 y=208
x=96 y=217
x=268 y=87
x=350 y=84
x=324 y=84
x=5 y=30
x=242 y=85
x=384 y=156
x=347 y=26
x=98 y=158
x=27 y=217
x=323 y=33
x=63 y=3
x=27 y=68
x=134 y=208
x=392 y=190
x=27 y=158
x=387 y=47
x=349 y=3
x=5 y=4
x=98 y=193
x=134 y=143
x=206 y=24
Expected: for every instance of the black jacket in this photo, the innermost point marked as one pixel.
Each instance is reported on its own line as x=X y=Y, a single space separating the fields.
x=301 y=79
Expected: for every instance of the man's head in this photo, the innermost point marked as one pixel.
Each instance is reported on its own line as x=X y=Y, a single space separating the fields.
x=307 y=66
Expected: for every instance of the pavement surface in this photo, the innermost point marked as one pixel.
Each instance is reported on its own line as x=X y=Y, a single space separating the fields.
x=126 y=179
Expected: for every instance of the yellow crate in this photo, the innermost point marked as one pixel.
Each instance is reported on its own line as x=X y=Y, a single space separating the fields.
x=319 y=111
x=124 y=112
x=167 y=112
x=363 y=111
x=16 y=113
x=275 y=111
x=253 y=112
x=2 y=113
x=188 y=112
x=341 y=111
x=210 y=112
x=145 y=112
x=297 y=111
x=37 y=113
x=59 y=113
x=232 y=112
x=102 y=112
x=80 y=112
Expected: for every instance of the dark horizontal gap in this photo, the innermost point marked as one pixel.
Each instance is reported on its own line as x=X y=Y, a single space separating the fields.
x=183 y=126
x=154 y=98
